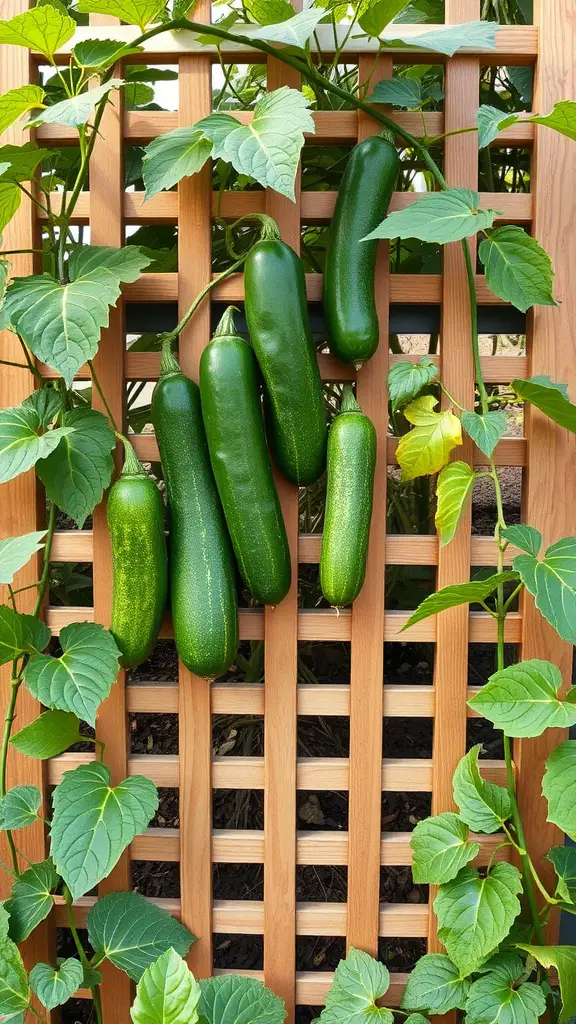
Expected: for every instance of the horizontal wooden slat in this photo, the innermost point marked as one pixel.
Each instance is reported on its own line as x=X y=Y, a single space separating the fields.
x=399 y=775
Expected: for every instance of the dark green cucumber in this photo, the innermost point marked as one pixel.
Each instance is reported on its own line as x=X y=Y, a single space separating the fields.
x=232 y=411
x=139 y=561
x=349 y=487
x=202 y=572
x=363 y=199
x=279 y=326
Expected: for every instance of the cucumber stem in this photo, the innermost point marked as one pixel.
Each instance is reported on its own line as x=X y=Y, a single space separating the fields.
x=227 y=328
x=132 y=465
x=349 y=403
x=168 y=362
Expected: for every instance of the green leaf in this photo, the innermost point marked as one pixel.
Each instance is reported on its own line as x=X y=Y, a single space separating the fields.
x=435 y=985
x=563 y=958
x=546 y=381
x=78 y=109
x=233 y=999
x=475 y=914
x=407 y=380
x=524 y=537
x=21 y=444
x=475 y=34
x=494 y=999
x=437 y=217
x=10 y=197
x=133 y=933
x=48 y=735
x=441 y=848
x=15 y=552
x=359 y=981
x=547 y=397
x=16 y=102
x=485 y=430
x=552 y=583
x=564 y=860
x=22 y=161
x=266 y=12
x=426 y=449
x=400 y=91
x=453 y=488
x=559 y=787
x=78 y=472
x=41 y=28
x=102 y=53
x=167 y=993
x=30 y=899
x=46 y=403
x=61 y=324
x=81 y=678
x=490 y=121
x=562 y=118
x=294 y=31
x=20 y=634
x=523 y=701
x=174 y=156
x=380 y=14
x=518 y=269
x=459 y=593
x=14 y=991
x=18 y=808
x=134 y=12
x=93 y=823
x=55 y=985
x=482 y=805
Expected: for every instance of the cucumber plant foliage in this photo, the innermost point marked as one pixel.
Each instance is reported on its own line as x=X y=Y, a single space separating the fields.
x=497 y=965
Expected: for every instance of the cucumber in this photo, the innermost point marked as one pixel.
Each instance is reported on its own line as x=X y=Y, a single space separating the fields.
x=232 y=411
x=139 y=561
x=202 y=571
x=349 y=488
x=363 y=199
x=277 y=315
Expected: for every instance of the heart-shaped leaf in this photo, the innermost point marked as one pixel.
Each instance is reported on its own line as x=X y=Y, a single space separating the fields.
x=437 y=217
x=482 y=805
x=55 y=985
x=30 y=899
x=426 y=449
x=523 y=700
x=167 y=992
x=20 y=634
x=485 y=430
x=45 y=28
x=134 y=12
x=15 y=552
x=21 y=443
x=518 y=269
x=48 y=735
x=552 y=582
x=19 y=101
x=102 y=53
x=441 y=848
x=78 y=109
x=524 y=537
x=496 y=998
x=563 y=959
x=133 y=933
x=406 y=380
x=435 y=985
x=490 y=122
x=19 y=807
x=14 y=991
x=400 y=91
x=231 y=999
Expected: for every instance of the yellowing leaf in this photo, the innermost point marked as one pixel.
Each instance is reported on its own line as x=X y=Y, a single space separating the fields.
x=427 y=448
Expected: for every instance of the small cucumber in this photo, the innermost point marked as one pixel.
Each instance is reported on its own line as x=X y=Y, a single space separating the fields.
x=139 y=561
x=232 y=411
x=349 y=489
x=202 y=572
x=363 y=199
x=277 y=315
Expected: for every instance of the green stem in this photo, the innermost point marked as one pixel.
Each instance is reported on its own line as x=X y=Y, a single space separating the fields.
x=46 y=566
x=8 y=721
x=474 y=326
x=172 y=335
x=72 y=926
x=33 y=370
x=98 y=387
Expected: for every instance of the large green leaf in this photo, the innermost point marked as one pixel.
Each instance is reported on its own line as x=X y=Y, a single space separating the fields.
x=563 y=958
x=78 y=109
x=552 y=582
x=135 y=12
x=518 y=269
x=81 y=678
x=19 y=101
x=550 y=398
x=94 y=822
x=379 y=14
x=30 y=899
x=174 y=156
x=14 y=991
x=132 y=933
x=435 y=985
x=266 y=12
x=15 y=552
x=45 y=28
x=559 y=787
x=437 y=217
x=491 y=121
x=523 y=700
x=21 y=444
x=18 y=808
x=48 y=735
x=62 y=323
x=294 y=31
x=564 y=860
x=102 y=53
x=398 y=90
x=56 y=985
x=234 y=999
x=426 y=449
x=167 y=993
x=407 y=380
x=441 y=848
x=524 y=537
x=359 y=981
x=22 y=160
x=496 y=999
x=485 y=430
x=459 y=593
x=482 y=805
x=77 y=473
x=562 y=118
x=475 y=914
x=20 y=634
x=453 y=489
x=476 y=34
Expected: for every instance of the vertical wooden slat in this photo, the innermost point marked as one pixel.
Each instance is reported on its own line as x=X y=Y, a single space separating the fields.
x=451 y=662
x=107 y=228
x=280 y=682
x=20 y=504
x=367 y=641
x=548 y=484
x=195 y=721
